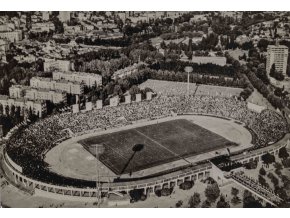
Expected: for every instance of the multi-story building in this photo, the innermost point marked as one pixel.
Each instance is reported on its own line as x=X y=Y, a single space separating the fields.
x=60 y=65
x=4 y=46
x=72 y=29
x=64 y=16
x=4 y=28
x=278 y=55
x=75 y=88
x=13 y=36
x=45 y=15
x=37 y=107
x=55 y=96
x=89 y=79
x=17 y=91
x=41 y=27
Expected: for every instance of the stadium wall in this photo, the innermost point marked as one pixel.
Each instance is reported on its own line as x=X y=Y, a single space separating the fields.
x=14 y=173
x=85 y=194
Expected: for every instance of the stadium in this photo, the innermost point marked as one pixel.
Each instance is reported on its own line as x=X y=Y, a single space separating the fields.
x=148 y=145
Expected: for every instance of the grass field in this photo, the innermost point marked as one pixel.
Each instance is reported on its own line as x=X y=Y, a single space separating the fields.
x=161 y=143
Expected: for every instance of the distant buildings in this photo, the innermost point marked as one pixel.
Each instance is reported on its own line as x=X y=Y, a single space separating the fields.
x=60 y=65
x=278 y=55
x=75 y=88
x=4 y=28
x=55 y=96
x=4 y=46
x=64 y=16
x=41 y=27
x=72 y=29
x=13 y=36
x=89 y=79
x=36 y=107
x=45 y=15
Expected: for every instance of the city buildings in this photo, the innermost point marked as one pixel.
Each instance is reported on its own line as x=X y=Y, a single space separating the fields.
x=60 y=65
x=64 y=16
x=45 y=15
x=4 y=28
x=4 y=46
x=278 y=55
x=37 y=107
x=41 y=27
x=75 y=88
x=55 y=96
x=89 y=79
x=13 y=36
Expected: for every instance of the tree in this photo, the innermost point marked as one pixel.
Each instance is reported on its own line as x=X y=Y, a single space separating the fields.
x=283 y=154
x=190 y=45
x=134 y=90
x=179 y=204
x=268 y=158
x=274 y=179
x=206 y=204
x=262 y=181
x=263 y=44
x=163 y=45
x=235 y=191
x=222 y=203
x=262 y=74
x=117 y=90
x=165 y=192
x=262 y=171
x=251 y=165
x=212 y=192
x=286 y=162
x=275 y=74
x=281 y=192
x=186 y=185
x=251 y=202
x=194 y=200
x=247 y=45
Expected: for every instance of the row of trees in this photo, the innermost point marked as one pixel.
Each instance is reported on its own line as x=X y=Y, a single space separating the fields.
x=275 y=101
x=206 y=69
x=102 y=54
x=11 y=73
x=117 y=42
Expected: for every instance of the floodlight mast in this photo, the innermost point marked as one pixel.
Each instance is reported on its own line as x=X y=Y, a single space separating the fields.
x=98 y=150
x=188 y=69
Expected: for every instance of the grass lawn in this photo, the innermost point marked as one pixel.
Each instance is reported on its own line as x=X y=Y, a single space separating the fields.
x=160 y=143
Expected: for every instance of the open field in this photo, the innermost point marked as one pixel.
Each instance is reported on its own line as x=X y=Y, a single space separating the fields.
x=180 y=88
x=161 y=143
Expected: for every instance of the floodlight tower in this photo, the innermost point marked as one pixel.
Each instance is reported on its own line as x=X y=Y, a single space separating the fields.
x=188 y=69
x=99 y=149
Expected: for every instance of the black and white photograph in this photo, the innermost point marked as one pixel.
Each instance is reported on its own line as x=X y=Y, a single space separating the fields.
x=144 y=109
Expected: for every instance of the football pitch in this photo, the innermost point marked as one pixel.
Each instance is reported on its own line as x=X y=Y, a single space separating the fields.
x=143 y=147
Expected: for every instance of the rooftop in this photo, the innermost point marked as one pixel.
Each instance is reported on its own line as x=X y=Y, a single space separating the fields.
x=80 y=73
x=279 y=46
